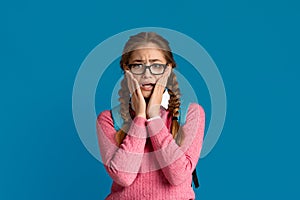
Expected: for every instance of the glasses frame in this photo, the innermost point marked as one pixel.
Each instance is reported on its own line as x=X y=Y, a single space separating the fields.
x=148 y=67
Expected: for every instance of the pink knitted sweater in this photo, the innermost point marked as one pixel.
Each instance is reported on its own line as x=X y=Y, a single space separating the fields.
x=149 y=164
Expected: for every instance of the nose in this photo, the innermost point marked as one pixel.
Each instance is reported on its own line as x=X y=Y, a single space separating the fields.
x=147 y=73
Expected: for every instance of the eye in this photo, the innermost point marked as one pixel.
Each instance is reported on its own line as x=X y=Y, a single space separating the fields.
x=136 y=66
x=157 y=66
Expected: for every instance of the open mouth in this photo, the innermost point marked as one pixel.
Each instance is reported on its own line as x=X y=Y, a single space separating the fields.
x=147 y=86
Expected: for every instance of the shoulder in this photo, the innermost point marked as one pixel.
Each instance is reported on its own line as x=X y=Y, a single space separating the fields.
x=190 y=108
x=194 y=123
x=104 y=117
x=195 y=107
x=105 y=127
x=195 y=111
x=104 y=114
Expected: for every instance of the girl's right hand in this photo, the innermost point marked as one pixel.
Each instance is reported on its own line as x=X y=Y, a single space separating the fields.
x=137 y=99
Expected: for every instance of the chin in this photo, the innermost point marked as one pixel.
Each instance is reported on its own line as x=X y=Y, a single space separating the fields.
x=147 y=95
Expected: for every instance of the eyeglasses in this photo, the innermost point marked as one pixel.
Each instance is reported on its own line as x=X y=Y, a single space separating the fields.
x=155 y=69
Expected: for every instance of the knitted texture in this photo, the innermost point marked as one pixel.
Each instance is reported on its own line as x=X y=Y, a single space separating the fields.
x=149 y=164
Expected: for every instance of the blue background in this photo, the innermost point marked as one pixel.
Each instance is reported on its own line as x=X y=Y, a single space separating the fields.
x=255 y=45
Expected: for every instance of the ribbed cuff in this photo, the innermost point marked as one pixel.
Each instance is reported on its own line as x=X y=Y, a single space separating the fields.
x=155 y=126
x=138 y=128
x=140 y=121
x=152 y=118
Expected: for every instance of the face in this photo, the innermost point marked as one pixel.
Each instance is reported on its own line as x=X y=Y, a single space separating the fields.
x=148 y=55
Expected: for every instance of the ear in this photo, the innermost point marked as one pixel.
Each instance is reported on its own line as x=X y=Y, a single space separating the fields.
x=170 y=64
x=125 y=67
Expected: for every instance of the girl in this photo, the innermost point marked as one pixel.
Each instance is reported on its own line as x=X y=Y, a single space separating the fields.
x=150 y=156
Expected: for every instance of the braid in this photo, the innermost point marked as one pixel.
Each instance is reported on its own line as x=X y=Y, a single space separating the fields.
x=124 y=101
x=174 y=106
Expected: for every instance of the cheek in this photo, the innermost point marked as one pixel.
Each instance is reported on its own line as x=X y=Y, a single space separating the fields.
x=137 y=77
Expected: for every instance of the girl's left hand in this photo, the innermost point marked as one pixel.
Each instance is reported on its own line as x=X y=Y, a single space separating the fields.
x=153 y=108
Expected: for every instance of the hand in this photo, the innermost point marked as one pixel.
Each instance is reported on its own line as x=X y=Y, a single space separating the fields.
x=153 y=108
x=137 y=99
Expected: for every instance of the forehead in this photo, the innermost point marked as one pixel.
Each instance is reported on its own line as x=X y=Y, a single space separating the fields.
x=146 y=54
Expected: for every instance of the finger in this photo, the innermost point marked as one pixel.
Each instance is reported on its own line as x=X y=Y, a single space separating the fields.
x=128 y=81
x=138 y=89
x=135 y=84
x=169 y=70
x=135 y=87
x=163 y=80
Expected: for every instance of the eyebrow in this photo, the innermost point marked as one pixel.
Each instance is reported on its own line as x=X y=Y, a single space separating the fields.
x=150 y=60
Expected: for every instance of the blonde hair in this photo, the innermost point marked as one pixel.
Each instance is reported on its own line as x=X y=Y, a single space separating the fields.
x=132 y=44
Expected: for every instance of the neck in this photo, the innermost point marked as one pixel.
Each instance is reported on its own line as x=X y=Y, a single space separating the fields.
x=147 y=100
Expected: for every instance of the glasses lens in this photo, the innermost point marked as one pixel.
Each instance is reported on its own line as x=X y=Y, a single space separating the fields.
x=137 y=68
x=157 y=68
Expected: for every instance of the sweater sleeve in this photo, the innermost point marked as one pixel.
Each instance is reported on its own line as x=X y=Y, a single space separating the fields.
x=178 y=162
x=122 y=163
